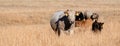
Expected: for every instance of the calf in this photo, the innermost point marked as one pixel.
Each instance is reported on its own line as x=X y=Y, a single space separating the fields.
x=97 y=26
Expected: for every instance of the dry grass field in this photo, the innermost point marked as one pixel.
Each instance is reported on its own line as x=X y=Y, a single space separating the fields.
x=26 y=23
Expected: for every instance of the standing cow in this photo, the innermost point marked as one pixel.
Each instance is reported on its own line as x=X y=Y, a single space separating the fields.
x=63 y=20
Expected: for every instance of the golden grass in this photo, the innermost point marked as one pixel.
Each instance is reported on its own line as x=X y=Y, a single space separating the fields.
x=26 y=23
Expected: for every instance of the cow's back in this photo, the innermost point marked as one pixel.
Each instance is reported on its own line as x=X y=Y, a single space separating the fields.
x=88 y=14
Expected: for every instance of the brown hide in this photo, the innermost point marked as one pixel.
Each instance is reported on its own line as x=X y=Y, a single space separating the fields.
x=84 y=24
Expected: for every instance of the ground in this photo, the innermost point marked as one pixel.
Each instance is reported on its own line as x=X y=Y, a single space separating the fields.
x=26 y=23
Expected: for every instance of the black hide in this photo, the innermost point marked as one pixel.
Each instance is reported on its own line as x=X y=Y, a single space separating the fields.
x=97 y=26
x=79 y=17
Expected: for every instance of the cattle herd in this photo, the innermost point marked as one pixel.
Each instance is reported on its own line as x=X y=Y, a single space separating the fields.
x=68 y=20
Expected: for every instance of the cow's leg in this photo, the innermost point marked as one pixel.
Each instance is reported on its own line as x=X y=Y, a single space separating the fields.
x=99 y=29
x=59 y=31
x=58 y=28
x=72 y=28
x=93 y=28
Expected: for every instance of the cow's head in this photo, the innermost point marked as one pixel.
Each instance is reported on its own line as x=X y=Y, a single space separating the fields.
x=94 y=16
x=79 y=16
x=66 y=13
x=71 y=15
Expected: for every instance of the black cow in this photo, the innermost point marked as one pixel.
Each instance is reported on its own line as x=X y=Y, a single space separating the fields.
x=97 y=26
x=79 y=16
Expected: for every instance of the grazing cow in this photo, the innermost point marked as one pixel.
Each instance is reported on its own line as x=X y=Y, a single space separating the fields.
x=97 y=26
x=63 y=20
x=91 y=15
x=79 y=16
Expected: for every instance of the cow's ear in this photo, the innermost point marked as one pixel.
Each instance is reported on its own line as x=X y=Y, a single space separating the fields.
x=101 y=24
x=76 y=13
x=66 y=13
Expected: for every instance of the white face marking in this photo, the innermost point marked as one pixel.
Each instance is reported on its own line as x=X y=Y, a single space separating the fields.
x=71 y=15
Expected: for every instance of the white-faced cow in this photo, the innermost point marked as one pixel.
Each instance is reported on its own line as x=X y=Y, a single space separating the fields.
x=94 y=16
x=63 y=21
